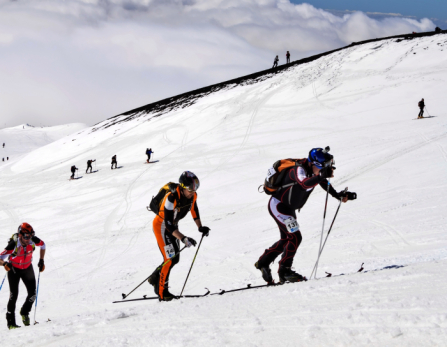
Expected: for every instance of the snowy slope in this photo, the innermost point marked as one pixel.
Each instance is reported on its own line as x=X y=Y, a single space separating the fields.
x=361 y=101
x=23 y=139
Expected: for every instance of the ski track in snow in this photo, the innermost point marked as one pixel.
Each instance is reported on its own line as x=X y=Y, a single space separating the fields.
x=361 y=101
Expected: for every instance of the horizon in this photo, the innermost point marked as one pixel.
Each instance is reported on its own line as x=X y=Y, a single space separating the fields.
x=88 y=62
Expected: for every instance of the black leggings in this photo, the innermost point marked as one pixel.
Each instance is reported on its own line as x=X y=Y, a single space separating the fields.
x=28 y=278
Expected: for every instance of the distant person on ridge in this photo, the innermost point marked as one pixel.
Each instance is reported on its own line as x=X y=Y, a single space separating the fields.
x=89 y=165
x=295 y=188
x=73 y=170
x=275 y=62
x=114 y=162
x=288 y=57
x=3 y=145
x=174 y=206
x=421 y=105
x=20 y=250
x=148 y=153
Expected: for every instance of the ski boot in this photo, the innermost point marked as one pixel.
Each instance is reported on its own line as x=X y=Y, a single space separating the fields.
x=11 y=321
x=266 y=273
x=287 y=274
x=154 y=280
x=167 y=296
x=25 y=318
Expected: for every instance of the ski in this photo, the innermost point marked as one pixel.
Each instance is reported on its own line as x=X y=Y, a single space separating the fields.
x=145 y=297
x=152 y=162
x=249 y=286
x=424 y=117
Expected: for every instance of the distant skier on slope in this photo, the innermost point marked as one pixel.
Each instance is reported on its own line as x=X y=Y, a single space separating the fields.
x=282 y=205
x=421 y=105
x=114 y=162
x=174 y=206
x=89 y=165
x=20 y=250
x=288 y=57
x=73 y=170
x=148 y=153
x=275 y=62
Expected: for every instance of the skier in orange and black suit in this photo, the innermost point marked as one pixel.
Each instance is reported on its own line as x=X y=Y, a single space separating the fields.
x=174 y=207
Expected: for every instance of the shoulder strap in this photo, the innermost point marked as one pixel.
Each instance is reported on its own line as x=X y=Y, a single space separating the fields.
x=15 y=239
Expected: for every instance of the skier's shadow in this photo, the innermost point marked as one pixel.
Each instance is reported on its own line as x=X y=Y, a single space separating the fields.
x=119 y=167
x=76 y=178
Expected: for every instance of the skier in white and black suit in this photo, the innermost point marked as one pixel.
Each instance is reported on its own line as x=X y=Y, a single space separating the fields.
x=303 y=178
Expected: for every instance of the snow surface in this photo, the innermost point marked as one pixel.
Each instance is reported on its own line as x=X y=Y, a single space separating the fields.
x=361 y=101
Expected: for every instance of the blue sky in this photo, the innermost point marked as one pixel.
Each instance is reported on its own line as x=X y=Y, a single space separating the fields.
x=419 y=9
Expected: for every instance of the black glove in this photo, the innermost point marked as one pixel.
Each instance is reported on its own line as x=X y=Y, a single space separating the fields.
x=8 y=266
x=41 y=265
x=327 y=172
x=204 y=230
x=188 y=241
x=350 y=195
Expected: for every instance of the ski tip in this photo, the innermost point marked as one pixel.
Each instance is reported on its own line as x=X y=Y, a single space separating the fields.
x=124 y=295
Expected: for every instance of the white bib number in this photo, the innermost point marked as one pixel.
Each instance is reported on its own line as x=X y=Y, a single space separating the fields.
x=169 y=251
x=270 y=173
x=292 y=225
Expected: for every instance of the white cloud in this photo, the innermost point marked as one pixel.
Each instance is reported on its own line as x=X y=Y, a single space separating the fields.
x=86 y=60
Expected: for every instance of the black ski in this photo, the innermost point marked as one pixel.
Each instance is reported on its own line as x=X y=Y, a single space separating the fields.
x=249 y=286
x=156 y=297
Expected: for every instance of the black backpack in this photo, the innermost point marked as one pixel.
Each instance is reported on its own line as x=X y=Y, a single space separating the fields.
x=276 y=174
x=156 y=201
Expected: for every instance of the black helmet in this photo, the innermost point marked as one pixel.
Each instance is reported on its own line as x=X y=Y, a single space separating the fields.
x=189 y=181
x=320 y=157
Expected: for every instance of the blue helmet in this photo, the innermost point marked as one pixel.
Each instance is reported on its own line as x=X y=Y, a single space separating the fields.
x=320 y=157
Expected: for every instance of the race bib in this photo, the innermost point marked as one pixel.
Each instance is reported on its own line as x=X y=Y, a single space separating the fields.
x=169 y=251
x=270 y=173
x=292 y=225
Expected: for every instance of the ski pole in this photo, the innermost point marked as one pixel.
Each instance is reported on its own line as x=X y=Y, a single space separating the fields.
x=330 y=228
x=2 y=282
x=37 y=293
x=427 y=111
x=191 y=265
x=157 y=269
x=324 y=218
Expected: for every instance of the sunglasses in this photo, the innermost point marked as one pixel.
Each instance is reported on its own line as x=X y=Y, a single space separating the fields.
x=26 y=236
x=187 y=188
